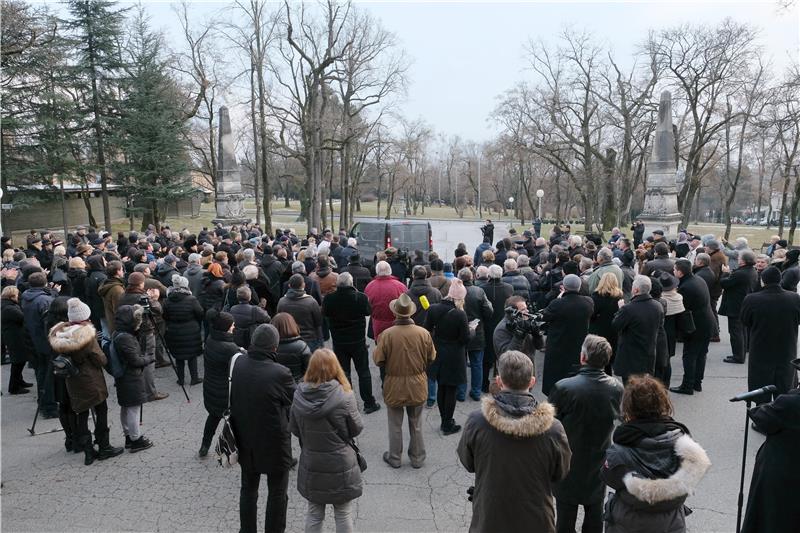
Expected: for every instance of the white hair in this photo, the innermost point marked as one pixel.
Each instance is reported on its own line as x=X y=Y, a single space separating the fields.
x=523 y=260
x=642 y=284
x=605 y=255
x=345 y=279
x=495 y=272
x=383 y=269
x=250 y=272
x=249 y=254
x=741 y=242
x=575 y=240
x=352 y=242
x=482 y=272
x=509 y=265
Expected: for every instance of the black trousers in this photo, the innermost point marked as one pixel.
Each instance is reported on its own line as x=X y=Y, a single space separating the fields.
x=15 y=379
x=694 y=361
x=277 y=500
x=180 y=366
x=567 y=515
x=212 y=422
x=83 y=435
x=359 y=355
x=66 y=415
x=738 y=338
x=763 y=373
x=446 y=399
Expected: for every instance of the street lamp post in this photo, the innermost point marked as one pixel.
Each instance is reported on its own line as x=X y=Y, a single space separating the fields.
x=540 y=195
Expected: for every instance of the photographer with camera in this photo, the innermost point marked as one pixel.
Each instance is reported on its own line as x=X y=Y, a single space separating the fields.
x=136 y=294
x=518 y=330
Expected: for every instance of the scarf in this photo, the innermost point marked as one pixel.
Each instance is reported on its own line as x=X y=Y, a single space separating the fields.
x=674 y=302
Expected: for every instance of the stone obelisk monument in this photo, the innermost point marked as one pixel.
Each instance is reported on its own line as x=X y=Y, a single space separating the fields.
x=229 y=197
x=661 y=195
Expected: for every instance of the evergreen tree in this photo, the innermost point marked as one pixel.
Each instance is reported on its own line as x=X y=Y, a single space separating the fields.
x=152 y=128
x=98 y=30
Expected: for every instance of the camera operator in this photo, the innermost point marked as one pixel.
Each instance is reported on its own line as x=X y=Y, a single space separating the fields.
x=518 y=330
x=135 y=294
x=488 y=230
x=398 y=260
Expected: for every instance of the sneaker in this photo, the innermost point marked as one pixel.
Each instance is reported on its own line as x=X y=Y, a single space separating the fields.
x=203 y=450
x=160 y=396
x=142 y=443
x=371 y=408
x=430 y=403
x=196 y=381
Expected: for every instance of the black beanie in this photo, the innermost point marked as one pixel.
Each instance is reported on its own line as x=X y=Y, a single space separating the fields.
x=219 y=320
x=771 y=276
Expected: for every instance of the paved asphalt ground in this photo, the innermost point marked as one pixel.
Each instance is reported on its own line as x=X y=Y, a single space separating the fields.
x=168 y=488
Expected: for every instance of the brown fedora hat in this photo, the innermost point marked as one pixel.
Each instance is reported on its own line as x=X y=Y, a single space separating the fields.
x=403 y=306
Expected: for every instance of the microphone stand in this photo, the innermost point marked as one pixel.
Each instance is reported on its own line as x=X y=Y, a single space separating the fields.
x=740 y=502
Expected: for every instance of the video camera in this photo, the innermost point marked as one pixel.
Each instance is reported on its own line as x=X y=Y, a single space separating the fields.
x=523 y=322
x=144 y=301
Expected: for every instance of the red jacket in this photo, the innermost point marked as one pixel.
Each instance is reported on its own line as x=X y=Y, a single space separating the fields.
x=380 y=291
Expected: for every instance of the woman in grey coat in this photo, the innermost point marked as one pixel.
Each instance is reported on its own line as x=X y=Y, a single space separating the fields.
x=325 y=418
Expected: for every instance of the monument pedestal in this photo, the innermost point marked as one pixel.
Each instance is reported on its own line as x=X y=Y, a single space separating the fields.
x=670 y=224
x=229 y=197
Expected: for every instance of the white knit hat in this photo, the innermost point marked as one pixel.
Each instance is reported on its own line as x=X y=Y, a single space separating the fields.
x=179 y=281
x=77 y=311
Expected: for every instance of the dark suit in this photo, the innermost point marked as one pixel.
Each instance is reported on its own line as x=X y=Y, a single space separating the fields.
x=771 y=316
x=736 y=286
x=497 y=291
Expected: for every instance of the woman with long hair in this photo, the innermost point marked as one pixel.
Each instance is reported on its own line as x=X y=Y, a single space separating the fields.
x=324 y=416
x=447 y=322
x=606 y=299
x=653 y=464
x=293 y=352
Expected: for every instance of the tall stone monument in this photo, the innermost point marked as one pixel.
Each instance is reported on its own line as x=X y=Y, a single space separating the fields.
x=661 y=195
x=229 y=196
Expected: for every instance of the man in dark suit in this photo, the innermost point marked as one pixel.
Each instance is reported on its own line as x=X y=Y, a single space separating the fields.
x=736 y=286
x=695 y=347
x=497 y=291
x=261 y=396
x=771 y=316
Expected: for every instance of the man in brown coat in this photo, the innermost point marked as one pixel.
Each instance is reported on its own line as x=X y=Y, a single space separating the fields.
x=405 y=350
x=111 y=291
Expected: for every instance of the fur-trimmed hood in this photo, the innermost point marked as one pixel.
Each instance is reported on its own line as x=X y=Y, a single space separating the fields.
x=536 y=418
x=66 y=337
x=694 y=463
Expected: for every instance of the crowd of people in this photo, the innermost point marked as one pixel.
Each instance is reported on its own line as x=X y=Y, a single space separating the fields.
x=280 y=321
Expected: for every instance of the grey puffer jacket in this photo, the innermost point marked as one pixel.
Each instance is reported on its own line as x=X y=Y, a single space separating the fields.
x=323 y=417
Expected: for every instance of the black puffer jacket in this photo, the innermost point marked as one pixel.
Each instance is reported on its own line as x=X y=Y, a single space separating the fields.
x=77 y=283
x=294 y=353
x=14 y=334
x=421 y=287
x=183 y=315
x=212 y=293
x=519 y=282
x=247 y=317
x=450 y=332
x=131 y=389
x=220 y=348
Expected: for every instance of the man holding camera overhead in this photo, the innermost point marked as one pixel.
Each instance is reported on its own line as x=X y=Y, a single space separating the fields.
x=518 y=329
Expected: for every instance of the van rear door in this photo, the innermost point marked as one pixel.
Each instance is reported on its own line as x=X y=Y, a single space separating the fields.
x=411 y=236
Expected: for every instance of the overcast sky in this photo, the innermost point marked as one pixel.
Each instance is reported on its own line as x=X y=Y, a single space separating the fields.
x=465 y=54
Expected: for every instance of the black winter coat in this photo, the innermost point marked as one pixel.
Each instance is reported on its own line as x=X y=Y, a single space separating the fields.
x=346 y=310
x=361 y=275
x=662 y=263
x=15 y=335
x=519 y=282
x=35 y=303
x=772 y=503
x=605 y=307
x=261 y=395
x=305 y=311
x=183 y=315
x=790 y=278
x=497 y=292
x=212 y=292
x=450 y=333
x=77 y=283
x=588 y=405
x=421 y=287
x=217 y=359
x=637 y=324
x=477 y=306
x=164 y=274
x=294 y=353
x=131 y=388
x=567 y=325
x=697 y=300
x=736 y=286
x=95 y=302
x=246 y=318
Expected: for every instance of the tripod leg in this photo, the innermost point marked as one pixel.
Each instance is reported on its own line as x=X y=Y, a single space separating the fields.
x=141 y=414
x=32 y=429
x=169 y=356
x=740 y=502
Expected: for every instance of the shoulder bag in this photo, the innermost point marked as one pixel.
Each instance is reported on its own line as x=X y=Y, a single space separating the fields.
x=362 y=463
x=227 y=449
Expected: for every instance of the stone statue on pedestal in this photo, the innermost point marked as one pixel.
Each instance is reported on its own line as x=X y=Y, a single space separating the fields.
x=661 y=195
x=229 y=196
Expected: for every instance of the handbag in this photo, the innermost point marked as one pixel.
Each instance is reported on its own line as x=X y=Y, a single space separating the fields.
x=227 y=449
x=362 y=463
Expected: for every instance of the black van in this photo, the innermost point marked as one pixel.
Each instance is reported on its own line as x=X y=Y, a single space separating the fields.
x=405 y=235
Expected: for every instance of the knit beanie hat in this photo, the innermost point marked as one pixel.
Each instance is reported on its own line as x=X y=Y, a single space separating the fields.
x=136 y=278
x=771 y=276
x=572 y=283
x=180 y=282
x=266 y=337
x=457 y=291
x=219 y=320
x=77 y=311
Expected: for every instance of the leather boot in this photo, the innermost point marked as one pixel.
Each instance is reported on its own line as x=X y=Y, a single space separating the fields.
x=89 y=453
x=105 y=449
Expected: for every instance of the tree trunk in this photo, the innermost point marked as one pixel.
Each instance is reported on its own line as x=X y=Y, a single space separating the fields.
x=98 y=132
x=254 y=124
